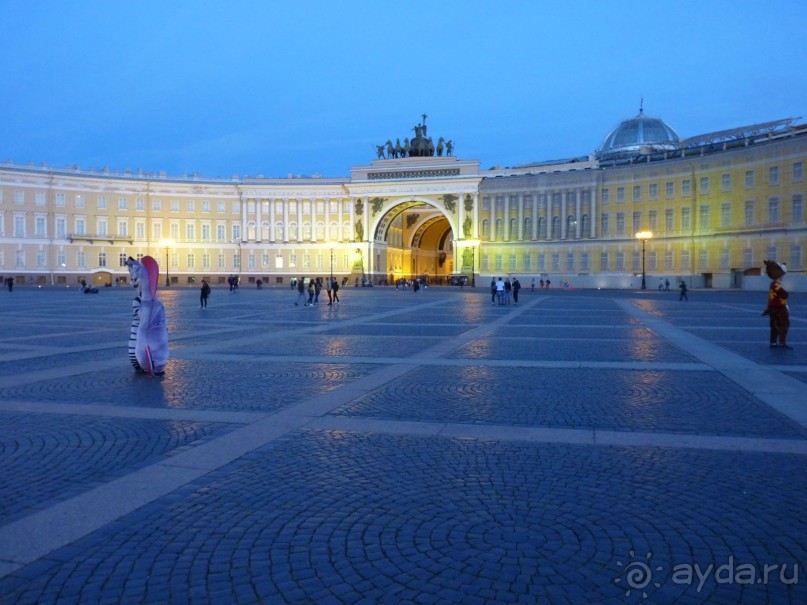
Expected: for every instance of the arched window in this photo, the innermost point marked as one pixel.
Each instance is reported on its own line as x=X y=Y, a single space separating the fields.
x=528 y=228
x=513 y=228
x=279 y=232
x=347 y=231
x=555 y=227
x=585 y=226
x=571 y=226
x=251 y=230
x=499 y=229
x=307 y=231
x=486 y=228
x=265 y=231
x=333 y=231
x=292 y=230
x=542 y=227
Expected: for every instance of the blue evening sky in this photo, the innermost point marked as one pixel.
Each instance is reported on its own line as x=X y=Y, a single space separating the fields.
x=311 y=87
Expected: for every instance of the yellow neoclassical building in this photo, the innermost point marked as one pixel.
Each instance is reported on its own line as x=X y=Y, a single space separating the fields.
x=710 y=209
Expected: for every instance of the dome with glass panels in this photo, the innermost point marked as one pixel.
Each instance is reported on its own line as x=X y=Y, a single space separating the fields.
x=636 y=136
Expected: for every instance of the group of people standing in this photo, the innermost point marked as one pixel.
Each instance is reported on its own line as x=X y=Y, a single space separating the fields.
x=313 y=289
x=502 y=290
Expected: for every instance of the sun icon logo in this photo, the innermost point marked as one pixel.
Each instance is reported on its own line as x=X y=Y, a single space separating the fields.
x=637 y=574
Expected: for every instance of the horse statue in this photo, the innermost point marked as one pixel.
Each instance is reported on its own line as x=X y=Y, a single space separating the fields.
x=440 y=142
x=398 y=149
x=390 y=149
x=148 y=336
x=407 y=148
x=380 y=151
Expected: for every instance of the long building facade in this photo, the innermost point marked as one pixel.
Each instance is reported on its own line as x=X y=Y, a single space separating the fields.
x=710 y=209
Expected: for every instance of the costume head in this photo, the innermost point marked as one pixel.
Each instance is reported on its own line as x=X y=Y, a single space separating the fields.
x=148 y=339
x=775 y=270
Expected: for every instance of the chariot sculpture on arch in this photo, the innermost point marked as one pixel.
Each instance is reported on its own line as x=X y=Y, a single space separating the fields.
x=420 y=145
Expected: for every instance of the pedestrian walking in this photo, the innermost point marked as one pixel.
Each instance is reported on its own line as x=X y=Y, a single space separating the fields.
x=300 y=291
x=516 y=288
x=204 y=294
x=312 y=289
x=335 y=291
x=777 y=310
x=317 y=290
x=532 y=285
x=10 y=283
x=493 y=291
x=683 y=296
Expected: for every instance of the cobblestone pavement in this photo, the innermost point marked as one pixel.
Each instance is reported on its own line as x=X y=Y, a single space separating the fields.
x=579 y=447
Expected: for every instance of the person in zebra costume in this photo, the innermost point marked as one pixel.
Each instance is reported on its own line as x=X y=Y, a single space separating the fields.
x=148 y=337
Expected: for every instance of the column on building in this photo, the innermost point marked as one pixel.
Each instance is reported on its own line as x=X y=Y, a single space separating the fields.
x=563 y=201
x=299 y=202
x=475 y=215
x=578 y=216
x=366 y=218
x=327 y=220
x=460 y=218
x=313 y=220
x=506 y=217
x=258 y=219
x=285 y=203
x=272 y=211
x=534 y=234
x=352 y=208
x=593 y=212
x=520 y=227
x=244 y=218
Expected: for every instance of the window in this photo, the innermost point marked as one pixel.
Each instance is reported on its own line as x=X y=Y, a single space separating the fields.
x=512 y=262
x=190 y=232
x=102 y=259
x=556 y=261
x=725 y=182
x=527 y=261
x=220 y=261
x=798 y=171
x=795 y=256
x=669 y=189
x=156 y=205
x=293 y=230
x=60 y=200
x=686 y=187
x=652 y=191
x=668 y=260
x=19 y=258
x=102 y=201
x=620 y=261
x=773 y=175
x=603 y=261
x=703 y=259
x=190 y=205
x=555 y=227
x=81 y=225
x=19 y=197
x=637 y=222
x=205 y=205
x=685 y=260
x=39 y=226
x=797 y=209
x=749 y=213
x=636 y=261
x=79 y=201
x=236 y=231
x=221 y=207
x=605 y=196
x=500 y=229
x=725 y=214
x=749 y=179
x=637 y=193
x=123 y=203
x=140 y=230
x=236 y=261
x=205 y=261
x=604 y=225
x=206 y=232
x=140 y=204
x=39 y=198
x=157 y=230
x=102 y=226
x=686 y=223
x=19 y=225
x=485 y=228
x=748 y=257
x=174 y=205
x=497 y=262
x=669 y=220
x=652 y=261
x=61 y=226
x=484 y=262
x=220 y=233
x=724 y=259
x=174 y=230
x=773 y=210
x=541 y=261
x=652 y=220
x=122 y=259
x=81 y=258
x=570 y=261
x=620 y=223
x=620 y=194
x=123 y=228
x=704 y=185
x=703 y=217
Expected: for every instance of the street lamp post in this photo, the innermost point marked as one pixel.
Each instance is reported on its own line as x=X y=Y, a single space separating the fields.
x=644 y=236
x=167 y=244
x=331 y=264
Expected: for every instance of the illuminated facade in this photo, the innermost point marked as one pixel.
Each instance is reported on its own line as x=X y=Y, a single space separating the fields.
x=717 y=205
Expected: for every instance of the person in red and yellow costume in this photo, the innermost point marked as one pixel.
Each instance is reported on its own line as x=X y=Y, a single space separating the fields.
x=777 y=309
